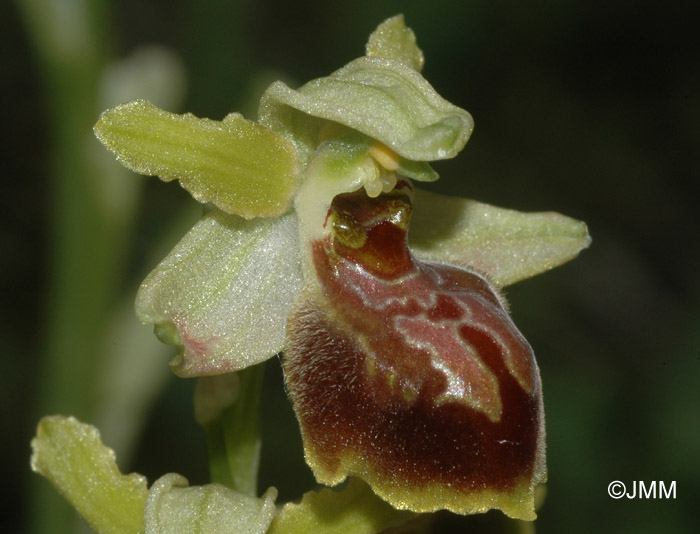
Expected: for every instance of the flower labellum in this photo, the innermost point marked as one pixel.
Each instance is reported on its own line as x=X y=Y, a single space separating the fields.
x=411 y=375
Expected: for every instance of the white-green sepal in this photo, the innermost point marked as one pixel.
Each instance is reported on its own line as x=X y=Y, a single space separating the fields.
x=393 y=40
x=379 y=97
x=174 y=507
x=223 y=293
x=505 y=245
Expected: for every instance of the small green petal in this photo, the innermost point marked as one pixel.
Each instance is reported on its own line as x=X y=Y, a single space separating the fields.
x=71 y=455
x=241 y=167
x=381 y=98
x=417 y=170
x=173 y=508
x=504 y=245
x=355 y=509
x=350 y=148
x=393 y=40
x=224 y=292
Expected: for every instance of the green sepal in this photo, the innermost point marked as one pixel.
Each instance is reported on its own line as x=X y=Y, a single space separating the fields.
x=241 y=167
x=382 y=98
x=504 y=245
x=353 y=509
x=223 y=293
x=173 y=507
x=393 y=40
x=71 y=455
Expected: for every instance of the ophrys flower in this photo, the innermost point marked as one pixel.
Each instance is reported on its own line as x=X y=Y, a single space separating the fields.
x=402 y=364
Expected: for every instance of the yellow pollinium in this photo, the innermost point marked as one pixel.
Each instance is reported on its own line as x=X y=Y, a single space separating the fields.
x=380 y=177
x=383 y=155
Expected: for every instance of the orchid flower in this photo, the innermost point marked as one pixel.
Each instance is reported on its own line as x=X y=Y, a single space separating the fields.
x=402 y=364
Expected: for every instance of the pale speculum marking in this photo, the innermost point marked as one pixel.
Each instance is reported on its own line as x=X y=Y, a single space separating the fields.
x=410 y=308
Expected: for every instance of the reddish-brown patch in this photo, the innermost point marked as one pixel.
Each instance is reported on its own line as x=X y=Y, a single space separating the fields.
x=342 y=410
x=384 y=253
x=413 y=369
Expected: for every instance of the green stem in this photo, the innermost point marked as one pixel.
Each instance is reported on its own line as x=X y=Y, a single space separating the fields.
x=233 y=437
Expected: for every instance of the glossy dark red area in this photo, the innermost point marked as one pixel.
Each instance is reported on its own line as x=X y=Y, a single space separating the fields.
x=445 y=308
x=384 y=221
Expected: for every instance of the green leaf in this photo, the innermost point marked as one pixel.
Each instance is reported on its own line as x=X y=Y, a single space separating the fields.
x=505 y=245
x=355 y=509
x=174 y=508
x=379 y=97
x=71 y=455
x=224 y=292
x=393 y=40
x=241 y=167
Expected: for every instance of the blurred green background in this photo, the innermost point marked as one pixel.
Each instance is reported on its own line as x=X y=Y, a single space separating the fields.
x=591 y=109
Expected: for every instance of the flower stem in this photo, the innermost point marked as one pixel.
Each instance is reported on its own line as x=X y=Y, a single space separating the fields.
x=233 y=432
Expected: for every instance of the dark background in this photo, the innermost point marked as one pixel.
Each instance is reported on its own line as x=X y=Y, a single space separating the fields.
x=591 y=109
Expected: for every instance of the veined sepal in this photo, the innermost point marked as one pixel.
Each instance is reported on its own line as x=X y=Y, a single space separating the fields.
x=503 y=244
x=224 y=292
x=380 y=97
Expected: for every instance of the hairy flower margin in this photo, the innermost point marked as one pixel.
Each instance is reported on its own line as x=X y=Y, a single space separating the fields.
x=402 y=364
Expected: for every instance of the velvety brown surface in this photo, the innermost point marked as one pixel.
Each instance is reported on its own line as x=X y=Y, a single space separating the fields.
x=342 y=409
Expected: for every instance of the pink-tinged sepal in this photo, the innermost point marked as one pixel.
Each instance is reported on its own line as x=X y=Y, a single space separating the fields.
x=411 y=375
